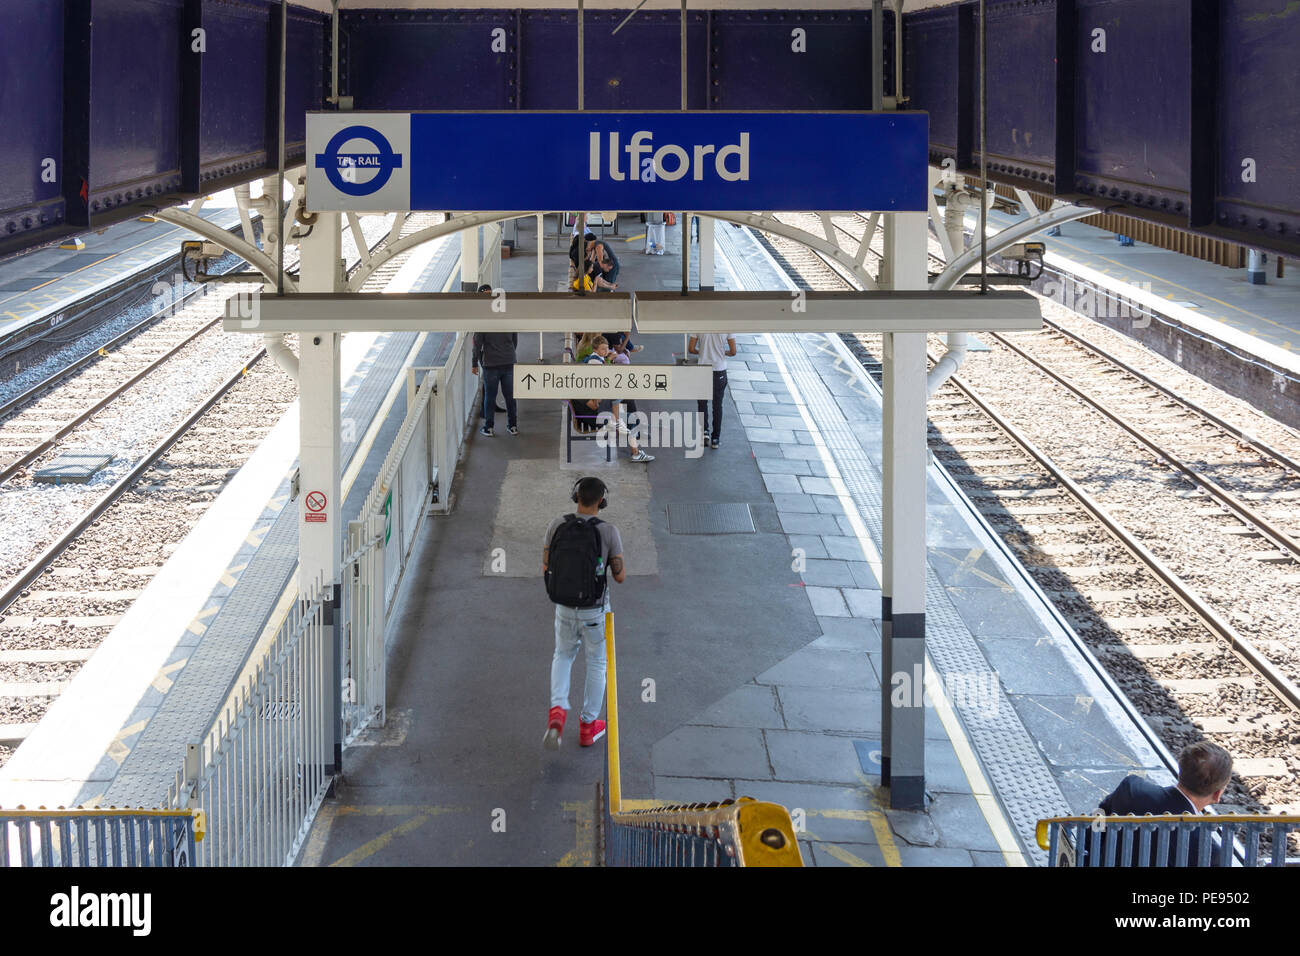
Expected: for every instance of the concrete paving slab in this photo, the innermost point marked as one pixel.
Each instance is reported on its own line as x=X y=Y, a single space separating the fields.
x=824 y=573
x=1072 y=732
x=799 y=756
x=794 y=504
x=823 y=667
x=750 y=705
x=827 y=602
x=810 y=543
x=996 y=614
x=709 y=752
x=961 y=822
x=862 y=602
x=841 y=710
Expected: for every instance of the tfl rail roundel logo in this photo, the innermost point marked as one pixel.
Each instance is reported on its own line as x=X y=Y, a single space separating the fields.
x=358 y=173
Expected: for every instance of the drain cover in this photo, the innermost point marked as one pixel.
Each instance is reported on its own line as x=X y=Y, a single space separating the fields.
x=72 y=467
x=710 y=519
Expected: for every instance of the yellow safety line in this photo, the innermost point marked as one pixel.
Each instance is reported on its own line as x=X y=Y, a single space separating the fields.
x=615 y=797
x=371 y=847
x=970 y=765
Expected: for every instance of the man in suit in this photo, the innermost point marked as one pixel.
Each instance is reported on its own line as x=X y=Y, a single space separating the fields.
x=1204 y=770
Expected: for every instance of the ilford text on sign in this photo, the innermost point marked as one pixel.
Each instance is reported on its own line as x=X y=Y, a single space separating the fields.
x=374 y=162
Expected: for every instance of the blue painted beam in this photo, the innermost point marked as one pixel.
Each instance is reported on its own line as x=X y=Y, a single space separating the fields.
x=1179 y=112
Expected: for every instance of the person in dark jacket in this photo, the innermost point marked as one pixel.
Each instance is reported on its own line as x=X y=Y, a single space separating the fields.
x=495 y=353
x=1204 y=771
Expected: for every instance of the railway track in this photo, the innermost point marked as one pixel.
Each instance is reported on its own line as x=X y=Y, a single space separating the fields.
x=65 y=601
x=1163 y=626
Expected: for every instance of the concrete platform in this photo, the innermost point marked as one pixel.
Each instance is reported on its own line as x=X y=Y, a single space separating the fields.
x=43 y=282
x=1206 y=318
x=748 y=664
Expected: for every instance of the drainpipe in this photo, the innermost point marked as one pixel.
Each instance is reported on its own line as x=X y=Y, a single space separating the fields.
x=278 y=349
x=947 y=365
x=954 y=216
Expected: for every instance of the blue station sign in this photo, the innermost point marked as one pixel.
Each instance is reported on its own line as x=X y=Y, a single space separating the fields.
x=461 y=162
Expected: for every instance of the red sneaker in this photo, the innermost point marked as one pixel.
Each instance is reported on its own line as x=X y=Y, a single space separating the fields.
x=588 y=734
x=554 y=727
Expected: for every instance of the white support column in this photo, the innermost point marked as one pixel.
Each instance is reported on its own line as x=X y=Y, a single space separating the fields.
x=541 y=287
x=904 y=551
x=320 y=542
x=319 y=502
x=469 y=259
x=706 y=253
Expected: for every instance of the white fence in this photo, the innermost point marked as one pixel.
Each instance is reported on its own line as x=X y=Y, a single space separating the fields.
x=260 y=772
x=263 y=769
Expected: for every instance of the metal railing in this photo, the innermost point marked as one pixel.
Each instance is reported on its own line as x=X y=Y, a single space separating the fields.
x=363 y=619
x=1167 y=840
x=262 y=771
x=743 y=832
x=98 y=837
x=454 y=391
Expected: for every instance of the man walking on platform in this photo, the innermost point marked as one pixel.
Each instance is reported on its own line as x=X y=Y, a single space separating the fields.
x=578 y=551
x=495 y=352
x=713 y=349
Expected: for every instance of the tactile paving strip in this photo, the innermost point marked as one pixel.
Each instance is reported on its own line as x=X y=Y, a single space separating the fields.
x=1020 y=777
x=726 y=518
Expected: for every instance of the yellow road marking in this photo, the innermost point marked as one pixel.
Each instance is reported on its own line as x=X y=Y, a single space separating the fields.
x=369 y=849
x=228 y=575
x=163 y=681
x=315 y=848
x=843 y=855
x=118 y=750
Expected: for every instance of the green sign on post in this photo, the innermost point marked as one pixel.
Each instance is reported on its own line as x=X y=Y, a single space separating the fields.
x=388 y=518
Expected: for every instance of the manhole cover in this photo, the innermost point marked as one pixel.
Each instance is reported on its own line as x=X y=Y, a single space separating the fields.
x=710 y=519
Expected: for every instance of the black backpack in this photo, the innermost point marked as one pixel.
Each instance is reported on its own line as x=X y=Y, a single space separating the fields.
x=573 y=557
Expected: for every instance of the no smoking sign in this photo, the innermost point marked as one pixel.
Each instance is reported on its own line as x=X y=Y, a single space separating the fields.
x=315 y=502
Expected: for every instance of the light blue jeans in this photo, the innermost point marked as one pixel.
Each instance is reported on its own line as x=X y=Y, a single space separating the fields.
x=576 y=626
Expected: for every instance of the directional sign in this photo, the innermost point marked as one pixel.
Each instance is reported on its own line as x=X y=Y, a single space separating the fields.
x=710 y=161
x=622 y=382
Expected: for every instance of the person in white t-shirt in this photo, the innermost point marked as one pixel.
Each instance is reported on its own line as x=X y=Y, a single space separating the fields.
x=713 y=349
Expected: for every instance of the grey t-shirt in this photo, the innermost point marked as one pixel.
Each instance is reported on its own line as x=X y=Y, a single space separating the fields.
x=610 y=542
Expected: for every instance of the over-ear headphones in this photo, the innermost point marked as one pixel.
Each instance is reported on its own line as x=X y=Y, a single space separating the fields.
x=604 y=491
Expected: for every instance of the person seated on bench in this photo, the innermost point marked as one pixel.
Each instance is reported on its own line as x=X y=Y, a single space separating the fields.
x=599 y=357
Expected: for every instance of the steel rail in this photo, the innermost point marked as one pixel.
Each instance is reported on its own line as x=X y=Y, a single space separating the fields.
x=1276 y=680
x=14 y=589
x=1238 y=433
x=69 y=427
x=1225 y=497
x=54 y=379
x=1245 y=512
